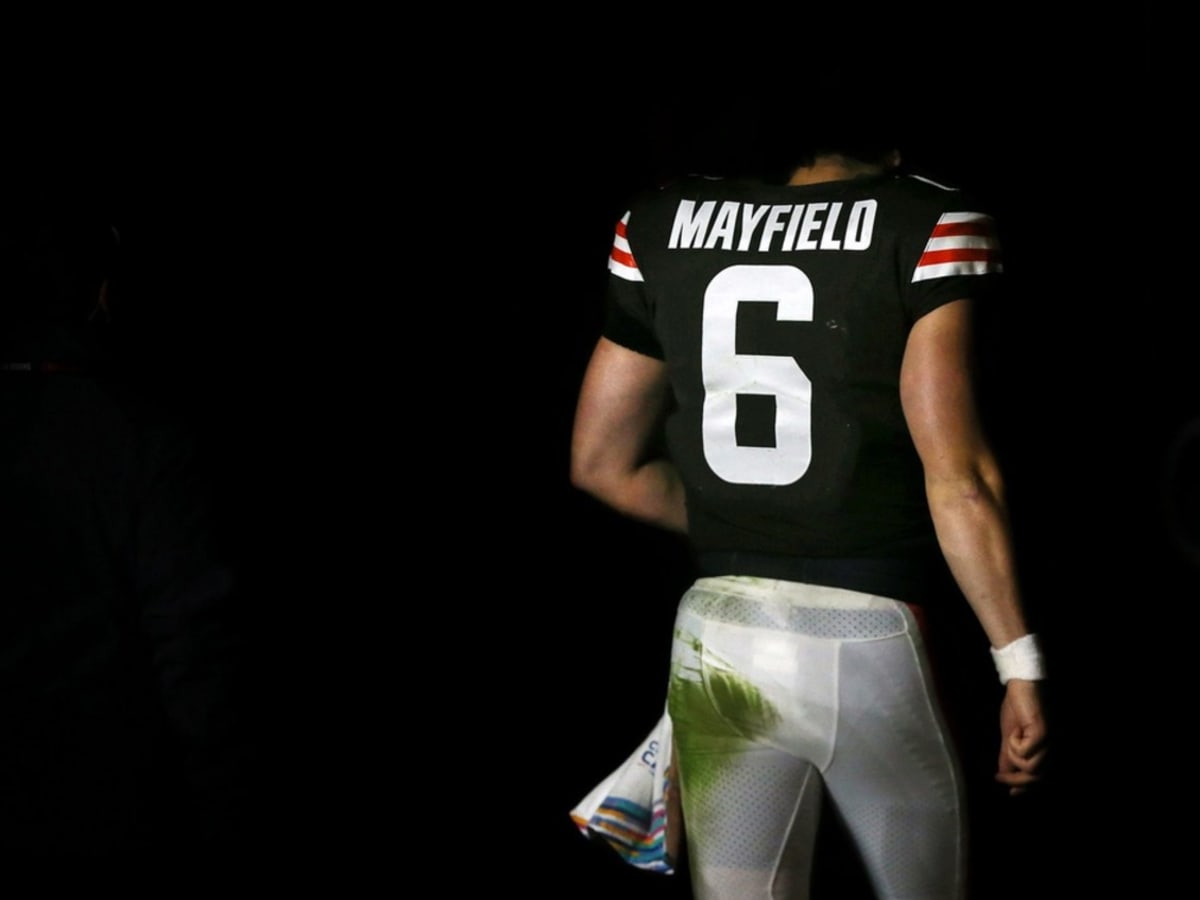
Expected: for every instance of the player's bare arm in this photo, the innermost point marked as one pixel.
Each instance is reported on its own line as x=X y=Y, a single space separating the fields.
x=623 y=399
x=966 y=500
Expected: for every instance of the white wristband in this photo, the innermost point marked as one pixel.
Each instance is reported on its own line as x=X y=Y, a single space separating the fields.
x=1020 y=659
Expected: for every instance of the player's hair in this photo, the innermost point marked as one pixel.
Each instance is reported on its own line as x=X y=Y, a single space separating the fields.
x=864 y=152
x=787 y=155
x=865 y=130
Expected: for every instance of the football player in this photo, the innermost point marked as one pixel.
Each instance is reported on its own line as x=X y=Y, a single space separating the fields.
x=806 y=345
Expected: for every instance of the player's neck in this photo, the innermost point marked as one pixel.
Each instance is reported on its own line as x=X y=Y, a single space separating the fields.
x=833 y=168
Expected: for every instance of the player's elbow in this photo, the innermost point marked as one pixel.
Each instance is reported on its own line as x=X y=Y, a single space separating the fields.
x=582 y=478
x=969 y=488
x=588 y=472
x=600 y=475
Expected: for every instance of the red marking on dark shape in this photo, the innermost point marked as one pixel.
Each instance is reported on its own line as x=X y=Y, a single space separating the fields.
x=965 y=254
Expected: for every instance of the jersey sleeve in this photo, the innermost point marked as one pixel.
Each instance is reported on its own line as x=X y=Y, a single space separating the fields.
x=628 y=315
x=958 y=258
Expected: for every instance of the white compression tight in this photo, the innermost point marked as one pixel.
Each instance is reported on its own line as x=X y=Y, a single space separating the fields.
x=781 y=690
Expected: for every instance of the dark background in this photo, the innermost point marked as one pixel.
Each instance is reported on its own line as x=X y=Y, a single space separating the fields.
x=377 y=289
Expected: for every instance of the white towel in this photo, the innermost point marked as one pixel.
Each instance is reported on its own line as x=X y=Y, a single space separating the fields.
x=636 y=808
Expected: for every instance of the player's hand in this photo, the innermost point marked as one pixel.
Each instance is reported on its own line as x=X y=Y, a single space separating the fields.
x=1022 y=736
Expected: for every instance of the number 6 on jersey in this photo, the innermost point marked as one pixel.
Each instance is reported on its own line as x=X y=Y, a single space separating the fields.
x=727 y=373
